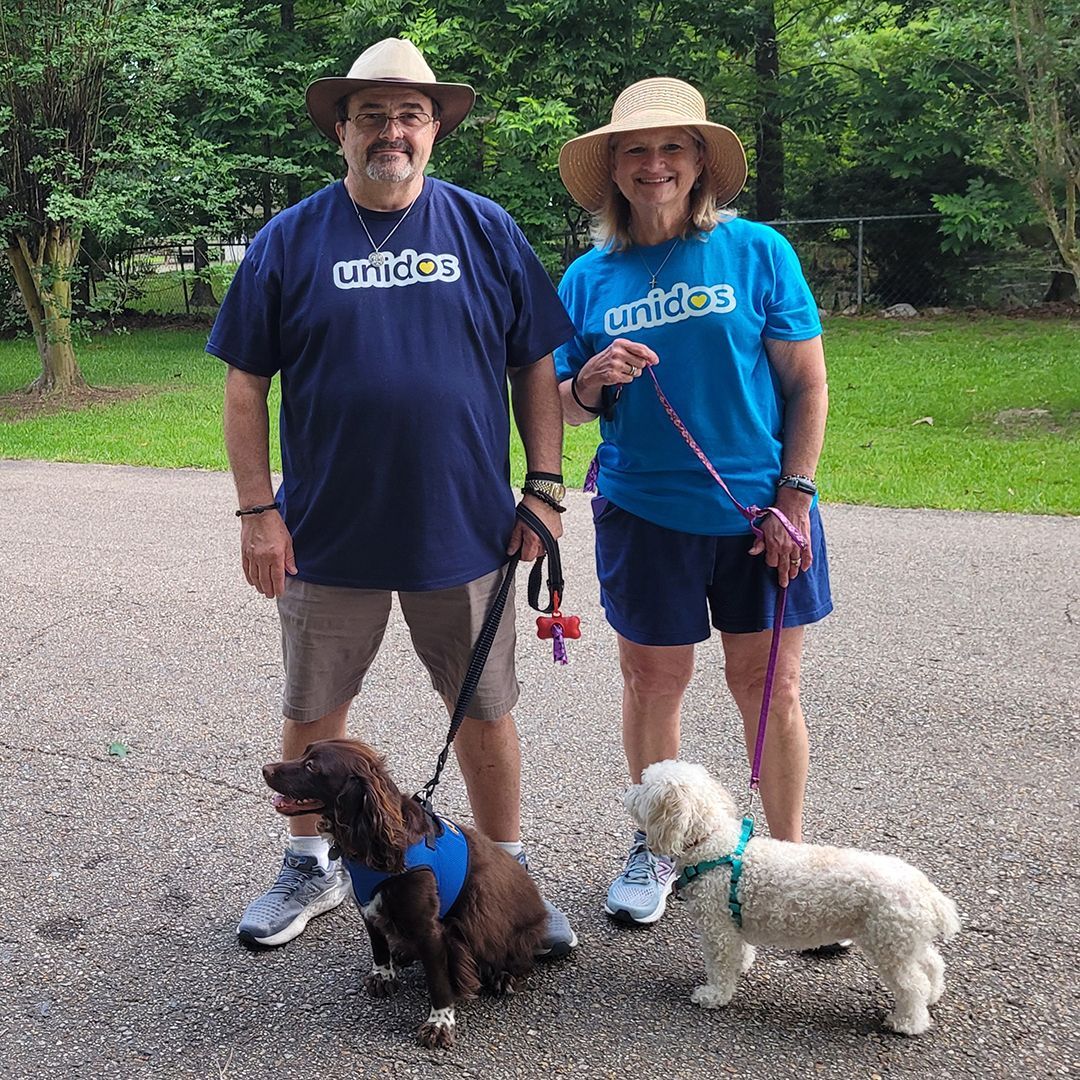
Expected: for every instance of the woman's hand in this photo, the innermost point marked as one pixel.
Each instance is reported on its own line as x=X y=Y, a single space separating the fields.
x=780 y=549
x=620 y=363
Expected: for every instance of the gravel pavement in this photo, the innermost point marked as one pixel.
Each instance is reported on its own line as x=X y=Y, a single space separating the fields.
x=942 y=695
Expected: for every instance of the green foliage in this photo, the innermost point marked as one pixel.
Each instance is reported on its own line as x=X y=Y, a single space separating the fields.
x=196 y=127
x=986 y=213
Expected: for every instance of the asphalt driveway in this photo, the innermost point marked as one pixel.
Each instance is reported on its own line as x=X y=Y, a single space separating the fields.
x=943 y=697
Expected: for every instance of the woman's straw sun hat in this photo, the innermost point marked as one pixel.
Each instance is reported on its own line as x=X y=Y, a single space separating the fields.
x=585 y=162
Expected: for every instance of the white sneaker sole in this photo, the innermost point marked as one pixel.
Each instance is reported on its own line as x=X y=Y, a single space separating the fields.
x=327 y=902
x=558 y=950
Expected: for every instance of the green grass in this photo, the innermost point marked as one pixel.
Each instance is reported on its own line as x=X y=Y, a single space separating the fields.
x=175 y=423
x=964 y=372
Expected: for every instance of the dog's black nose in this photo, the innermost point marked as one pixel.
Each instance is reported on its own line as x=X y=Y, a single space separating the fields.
x=268 y=772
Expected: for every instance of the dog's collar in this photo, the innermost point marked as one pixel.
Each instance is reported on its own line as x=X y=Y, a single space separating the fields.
x=733 y=859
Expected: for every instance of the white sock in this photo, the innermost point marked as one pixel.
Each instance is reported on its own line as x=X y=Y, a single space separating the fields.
x=311 y=845
x=511 y=847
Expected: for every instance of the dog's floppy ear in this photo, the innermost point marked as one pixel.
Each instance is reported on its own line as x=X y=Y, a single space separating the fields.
x=368 y=824
x=660 y=809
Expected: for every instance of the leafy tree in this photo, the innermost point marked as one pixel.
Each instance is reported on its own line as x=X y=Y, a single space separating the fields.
x=53 y=70
x=975 y=106
x=94 y=140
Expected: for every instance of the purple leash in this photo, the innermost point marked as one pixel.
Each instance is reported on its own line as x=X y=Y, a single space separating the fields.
x=753 y=515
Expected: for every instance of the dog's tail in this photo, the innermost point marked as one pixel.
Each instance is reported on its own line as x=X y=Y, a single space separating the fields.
x=948 y=918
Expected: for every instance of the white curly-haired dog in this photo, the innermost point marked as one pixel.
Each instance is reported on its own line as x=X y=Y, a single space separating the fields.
x=795 y=896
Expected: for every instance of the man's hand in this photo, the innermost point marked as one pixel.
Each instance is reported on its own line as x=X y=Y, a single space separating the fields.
x=267 y=552
x=525 y=539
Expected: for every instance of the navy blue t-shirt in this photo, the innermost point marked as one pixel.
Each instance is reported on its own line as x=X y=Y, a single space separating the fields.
x=395 y=421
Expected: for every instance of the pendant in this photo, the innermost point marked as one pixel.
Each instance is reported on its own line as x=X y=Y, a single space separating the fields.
x=377 y=258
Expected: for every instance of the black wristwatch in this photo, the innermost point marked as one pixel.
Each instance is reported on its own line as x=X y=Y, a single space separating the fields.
x=805 y=484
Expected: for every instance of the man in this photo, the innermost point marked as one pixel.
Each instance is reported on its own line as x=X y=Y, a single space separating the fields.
x=394 y=307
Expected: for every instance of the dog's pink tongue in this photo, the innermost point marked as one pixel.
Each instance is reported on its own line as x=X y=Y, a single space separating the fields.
x=284 y=805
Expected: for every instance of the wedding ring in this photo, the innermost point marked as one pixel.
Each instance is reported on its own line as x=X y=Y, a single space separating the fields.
x=630 y=370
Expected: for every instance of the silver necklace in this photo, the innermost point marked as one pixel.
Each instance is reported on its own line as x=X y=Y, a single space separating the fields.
x=653 y=275
x=378 y=256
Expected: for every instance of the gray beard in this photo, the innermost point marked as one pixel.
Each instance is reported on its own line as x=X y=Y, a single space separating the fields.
x=388 y=171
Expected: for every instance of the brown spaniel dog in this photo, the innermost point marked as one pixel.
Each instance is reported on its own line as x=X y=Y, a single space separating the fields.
x=490 y=933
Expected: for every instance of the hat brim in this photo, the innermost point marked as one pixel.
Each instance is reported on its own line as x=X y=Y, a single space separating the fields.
x=455 y=101
x=585 y=161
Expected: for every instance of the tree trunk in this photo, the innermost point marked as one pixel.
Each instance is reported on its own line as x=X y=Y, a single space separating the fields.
x=769 y=191
x=1062 y=287
x=45 y=286
x=202 y=292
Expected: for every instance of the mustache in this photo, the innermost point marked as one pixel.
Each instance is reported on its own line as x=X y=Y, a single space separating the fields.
x=389 y=144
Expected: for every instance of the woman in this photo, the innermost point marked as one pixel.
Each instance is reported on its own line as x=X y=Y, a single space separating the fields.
x=720 y=308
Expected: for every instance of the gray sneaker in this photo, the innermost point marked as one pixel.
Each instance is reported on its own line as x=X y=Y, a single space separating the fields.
x=303 y=890
x=559 y=937
x=639 y=894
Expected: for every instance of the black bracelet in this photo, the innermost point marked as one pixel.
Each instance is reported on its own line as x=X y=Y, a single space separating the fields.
x=799 y=482
x=554 y=477
x=574 y=395
x=544 y=497
x=258 y=509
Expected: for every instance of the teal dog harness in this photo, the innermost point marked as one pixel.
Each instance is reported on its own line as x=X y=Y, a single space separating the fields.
x=691 y=873
x=445 y=855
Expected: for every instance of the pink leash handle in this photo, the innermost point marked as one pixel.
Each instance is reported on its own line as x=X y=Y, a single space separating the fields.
x=753 y=515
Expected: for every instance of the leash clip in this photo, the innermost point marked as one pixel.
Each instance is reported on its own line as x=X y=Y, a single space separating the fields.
x=750 y=805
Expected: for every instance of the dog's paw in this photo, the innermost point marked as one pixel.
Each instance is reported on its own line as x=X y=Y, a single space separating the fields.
x=438 y=1031
x=710 y=997
x=381 y=983
x=915 y=1023
x=500 y=984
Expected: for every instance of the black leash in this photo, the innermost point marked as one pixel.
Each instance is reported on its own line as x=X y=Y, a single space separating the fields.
x=486 y=638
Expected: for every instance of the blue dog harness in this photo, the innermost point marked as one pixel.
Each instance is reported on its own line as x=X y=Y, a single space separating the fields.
x=734 y=860
x=446 y=855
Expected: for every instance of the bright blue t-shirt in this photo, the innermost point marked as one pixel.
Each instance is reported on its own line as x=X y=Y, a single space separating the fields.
x=395 y=424
x=717 y=298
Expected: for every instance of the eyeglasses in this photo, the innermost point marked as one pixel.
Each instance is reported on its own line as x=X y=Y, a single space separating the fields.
x=377 y=121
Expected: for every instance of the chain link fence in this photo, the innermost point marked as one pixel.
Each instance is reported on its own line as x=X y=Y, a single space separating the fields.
x=172 y=277
x=859 y=264
x=865 y=264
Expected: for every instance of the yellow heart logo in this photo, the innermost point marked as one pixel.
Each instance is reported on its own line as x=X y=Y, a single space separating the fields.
x=425 y=267
x=699 y=300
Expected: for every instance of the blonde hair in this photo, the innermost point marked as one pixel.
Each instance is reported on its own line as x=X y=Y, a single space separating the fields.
x=610 y=226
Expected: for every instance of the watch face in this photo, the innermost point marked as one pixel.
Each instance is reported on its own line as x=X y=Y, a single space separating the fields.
x=549 y=487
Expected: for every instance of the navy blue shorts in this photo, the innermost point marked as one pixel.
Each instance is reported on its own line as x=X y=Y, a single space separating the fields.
x=659 y=586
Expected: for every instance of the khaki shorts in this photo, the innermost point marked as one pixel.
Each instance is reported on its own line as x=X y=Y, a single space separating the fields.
x=330 y=635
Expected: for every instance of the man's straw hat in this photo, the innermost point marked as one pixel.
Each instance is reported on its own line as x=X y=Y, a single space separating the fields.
x=396 y=63
x=585 y=162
